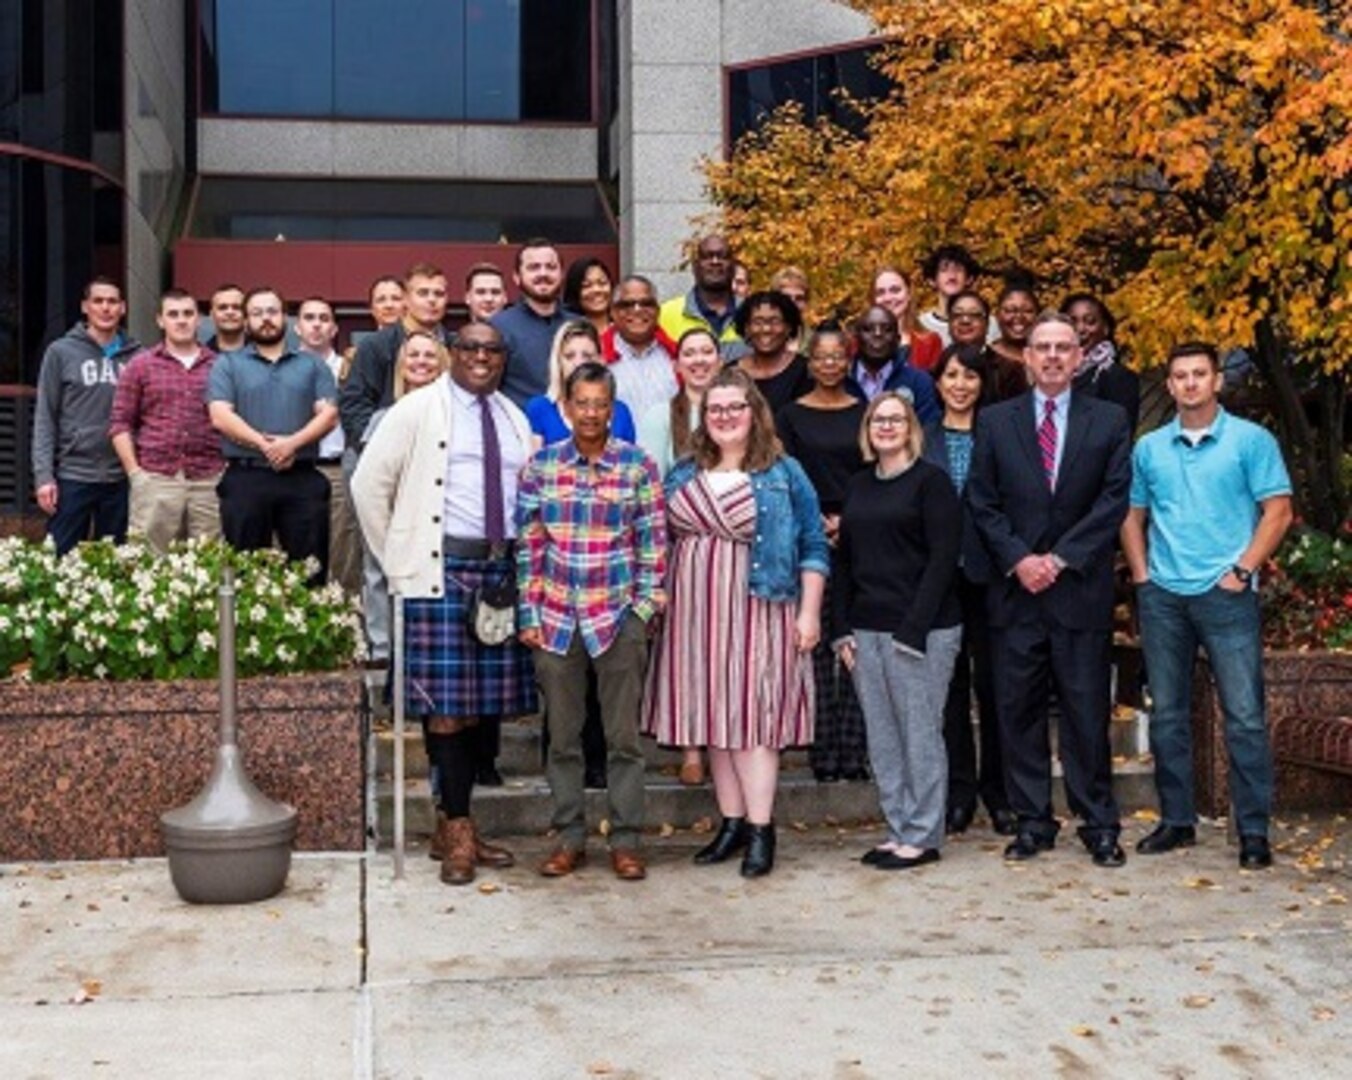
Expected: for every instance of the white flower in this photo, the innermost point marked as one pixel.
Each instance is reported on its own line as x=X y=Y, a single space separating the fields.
x=206 y=640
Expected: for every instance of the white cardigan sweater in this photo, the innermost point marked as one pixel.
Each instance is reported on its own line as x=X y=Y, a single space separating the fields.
x=398 y=490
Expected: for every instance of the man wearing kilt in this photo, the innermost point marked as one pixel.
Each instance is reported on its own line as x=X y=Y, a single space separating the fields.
x=434 y=491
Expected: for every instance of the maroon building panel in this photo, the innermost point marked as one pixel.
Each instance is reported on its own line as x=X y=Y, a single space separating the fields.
x=341 y=272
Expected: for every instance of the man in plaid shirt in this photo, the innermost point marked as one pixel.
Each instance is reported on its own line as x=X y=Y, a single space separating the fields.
x=590 y=560
x=163 y=435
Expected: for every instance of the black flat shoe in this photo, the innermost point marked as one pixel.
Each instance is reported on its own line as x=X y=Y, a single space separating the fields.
x=730 y=839
x=957 y=820
x=1106 y=851
x=1254 y=853
x=892 y=861
x=488 y=776
x=1027 y=846
x=1005 y=822
x=873 y=854
x=1165 y=838
x=759 y=859
x=595 y=779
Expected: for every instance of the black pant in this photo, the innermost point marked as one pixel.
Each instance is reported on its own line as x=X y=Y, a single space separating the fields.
x=972 y=673
x=1030 y=659
x=86 y=510
x=258 y=503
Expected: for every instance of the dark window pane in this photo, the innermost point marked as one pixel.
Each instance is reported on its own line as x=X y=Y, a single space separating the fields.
x=379 y=74
x=493 y=60
x=556 y=65
x=755 y=92
x=275 y=58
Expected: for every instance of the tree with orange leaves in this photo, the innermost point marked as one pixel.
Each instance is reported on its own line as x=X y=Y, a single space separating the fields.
x=1191 y=162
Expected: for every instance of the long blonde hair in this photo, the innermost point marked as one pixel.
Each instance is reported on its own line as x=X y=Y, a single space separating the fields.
x=576 y=328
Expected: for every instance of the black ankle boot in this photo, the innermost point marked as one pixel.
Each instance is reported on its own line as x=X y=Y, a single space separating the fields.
x=759 y=859
x=731 y=839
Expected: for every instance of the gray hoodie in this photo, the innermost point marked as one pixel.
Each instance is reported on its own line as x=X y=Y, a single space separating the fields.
x=75 y=395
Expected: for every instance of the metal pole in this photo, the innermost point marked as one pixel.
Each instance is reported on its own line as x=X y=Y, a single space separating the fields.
x=226 y=645
x=397 y=653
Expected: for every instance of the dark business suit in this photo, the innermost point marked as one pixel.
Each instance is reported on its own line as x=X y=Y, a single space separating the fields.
x=1061 y=637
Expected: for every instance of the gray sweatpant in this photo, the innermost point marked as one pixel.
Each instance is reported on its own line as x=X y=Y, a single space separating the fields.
x=903 y=700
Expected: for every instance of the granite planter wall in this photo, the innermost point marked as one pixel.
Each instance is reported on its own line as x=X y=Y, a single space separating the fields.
x=87 y=768
x=1317 y=683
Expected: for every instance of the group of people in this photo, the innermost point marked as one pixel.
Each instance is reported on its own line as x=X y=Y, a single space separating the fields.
x=702 y=522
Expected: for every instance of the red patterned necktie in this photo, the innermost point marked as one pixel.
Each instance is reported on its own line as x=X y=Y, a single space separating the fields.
x=1046 y=440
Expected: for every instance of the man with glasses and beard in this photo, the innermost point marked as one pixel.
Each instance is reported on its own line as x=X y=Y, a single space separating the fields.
x=272 y=406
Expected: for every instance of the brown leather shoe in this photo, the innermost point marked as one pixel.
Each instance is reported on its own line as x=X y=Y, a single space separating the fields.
x=435 y=851
x=486 y=854
x=457 y=868
x=628 y=864
x=563 y=861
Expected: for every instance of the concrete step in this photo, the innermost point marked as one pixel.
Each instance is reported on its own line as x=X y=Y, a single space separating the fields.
x=522 y=806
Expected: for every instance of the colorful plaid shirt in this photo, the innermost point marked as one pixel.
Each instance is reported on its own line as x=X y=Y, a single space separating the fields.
x=160 y=403
x=592 y=543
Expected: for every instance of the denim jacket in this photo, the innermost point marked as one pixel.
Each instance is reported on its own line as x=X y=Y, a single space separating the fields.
x=789 y=536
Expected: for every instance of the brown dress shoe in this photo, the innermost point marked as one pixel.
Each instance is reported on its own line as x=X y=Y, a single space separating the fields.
x=435 y=851
x=628 y=864
x=562 y=862
x=486 y=854
x=457 y=867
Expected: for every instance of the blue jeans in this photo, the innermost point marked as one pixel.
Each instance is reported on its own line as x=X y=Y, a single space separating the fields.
x=1226 y=625
x=85 y=509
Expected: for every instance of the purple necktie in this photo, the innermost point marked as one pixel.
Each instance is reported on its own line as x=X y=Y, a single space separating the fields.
x=495 y=531
x=1046 y=440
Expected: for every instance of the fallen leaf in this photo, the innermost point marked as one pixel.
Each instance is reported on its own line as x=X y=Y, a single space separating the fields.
x=1146 y=813
x=1201 y=883
x=1322 y=1012
x=798 y=826
x=600 y=1068
x=702 y=825
x=604 y=827
x=1084 y=1031
x=488 y=888
x=667 y=829
x=1197 y=1001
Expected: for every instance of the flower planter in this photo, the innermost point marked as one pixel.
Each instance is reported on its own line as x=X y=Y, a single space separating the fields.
x=1315 y=682
x=86 y=768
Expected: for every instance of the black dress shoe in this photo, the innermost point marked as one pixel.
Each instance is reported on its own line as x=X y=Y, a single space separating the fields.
x=1165 y=838
x=730 y=839
x=759 y=859
x=488 y=776
x=872 y=855
x=1254 y=853
x=594 y=778
x=1005 y=822
x=892 y=861
x=1106 y=851
x=1027 y=846
x=957 y=820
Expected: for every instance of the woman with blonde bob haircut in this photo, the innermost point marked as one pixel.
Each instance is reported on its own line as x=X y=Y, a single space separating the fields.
x=745 y=576
x=575 y=343
x=412 y=368
x=897 y=556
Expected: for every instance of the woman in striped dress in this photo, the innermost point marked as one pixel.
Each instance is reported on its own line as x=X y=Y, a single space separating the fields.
x=747 y=567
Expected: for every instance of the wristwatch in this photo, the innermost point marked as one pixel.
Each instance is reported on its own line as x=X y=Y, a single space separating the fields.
x=1244 y=574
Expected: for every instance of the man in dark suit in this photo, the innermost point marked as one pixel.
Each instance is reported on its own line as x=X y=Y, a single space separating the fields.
x=1050 y=476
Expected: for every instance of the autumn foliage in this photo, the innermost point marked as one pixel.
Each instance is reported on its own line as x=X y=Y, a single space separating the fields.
x=1189 y=161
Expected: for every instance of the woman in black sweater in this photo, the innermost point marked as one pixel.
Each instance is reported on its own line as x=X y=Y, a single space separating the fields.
x=898 y=552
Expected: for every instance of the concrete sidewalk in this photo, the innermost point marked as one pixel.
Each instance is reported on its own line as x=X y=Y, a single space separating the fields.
x=1177 y=965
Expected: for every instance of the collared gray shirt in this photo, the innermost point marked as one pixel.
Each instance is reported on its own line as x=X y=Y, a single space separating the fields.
x=273 y=397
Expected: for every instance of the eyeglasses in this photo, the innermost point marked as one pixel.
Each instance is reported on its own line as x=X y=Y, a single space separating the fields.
x=888 y=421
x=589 y=407
x=260 y=312
x=830 y=358
x=956 y=316
x=1053 y=348
x=726 y=412
x=473 y=348
x=647 y=303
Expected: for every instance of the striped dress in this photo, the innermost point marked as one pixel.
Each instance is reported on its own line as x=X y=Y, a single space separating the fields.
x=725 y=673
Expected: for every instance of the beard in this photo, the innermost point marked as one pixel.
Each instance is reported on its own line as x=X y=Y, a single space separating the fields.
x=267 y=335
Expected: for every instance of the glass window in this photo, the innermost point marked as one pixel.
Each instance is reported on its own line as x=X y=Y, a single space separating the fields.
x=812 y=81
x=495 y=60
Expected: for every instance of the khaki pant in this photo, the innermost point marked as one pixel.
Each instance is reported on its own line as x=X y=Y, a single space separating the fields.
x=168 y=508
x=344 y=537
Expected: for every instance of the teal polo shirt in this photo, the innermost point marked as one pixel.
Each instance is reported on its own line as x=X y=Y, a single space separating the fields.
x=276 y=398
x=1203 y=500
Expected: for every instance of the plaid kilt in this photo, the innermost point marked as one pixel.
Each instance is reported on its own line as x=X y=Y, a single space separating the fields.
x=447 y=672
